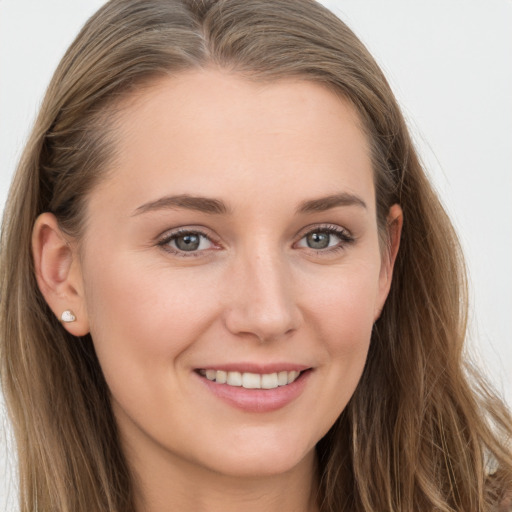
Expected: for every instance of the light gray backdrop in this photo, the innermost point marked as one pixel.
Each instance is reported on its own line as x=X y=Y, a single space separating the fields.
x=450 y=65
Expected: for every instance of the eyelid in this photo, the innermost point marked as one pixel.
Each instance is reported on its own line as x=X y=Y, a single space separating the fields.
x=167 y=236
x=332 y=228
x=342 y=233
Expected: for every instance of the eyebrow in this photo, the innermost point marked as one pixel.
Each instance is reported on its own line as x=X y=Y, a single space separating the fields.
x=326 y=203
x=200 y=204
x=218 y=207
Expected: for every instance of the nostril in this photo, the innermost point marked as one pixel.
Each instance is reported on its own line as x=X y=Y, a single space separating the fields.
x=264 y=326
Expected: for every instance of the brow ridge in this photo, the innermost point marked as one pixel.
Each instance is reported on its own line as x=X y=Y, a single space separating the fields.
x=332 y=201
x=197 y=203
x=218 y=207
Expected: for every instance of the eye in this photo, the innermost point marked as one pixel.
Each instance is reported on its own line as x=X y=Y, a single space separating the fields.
x=325 y=238
x=186 y=241
x=319 y=240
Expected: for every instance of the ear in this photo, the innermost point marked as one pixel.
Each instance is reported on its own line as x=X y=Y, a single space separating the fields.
x=58 y=272
x=394 y=225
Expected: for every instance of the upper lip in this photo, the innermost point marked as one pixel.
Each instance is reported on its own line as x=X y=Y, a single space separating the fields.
x=246 y=367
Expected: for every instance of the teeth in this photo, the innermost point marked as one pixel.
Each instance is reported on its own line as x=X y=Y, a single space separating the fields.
x=270 y=381
x=251 y=380
x=292 y=376
x=234 y=379
x=282 y=378
x=221 y=377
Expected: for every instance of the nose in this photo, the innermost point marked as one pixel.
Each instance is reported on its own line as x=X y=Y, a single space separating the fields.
x=262 y=301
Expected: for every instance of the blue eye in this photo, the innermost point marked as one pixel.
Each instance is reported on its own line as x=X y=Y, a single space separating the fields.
x=185 y=241
x=319 y=240
x=188 y=242
x=322 y=238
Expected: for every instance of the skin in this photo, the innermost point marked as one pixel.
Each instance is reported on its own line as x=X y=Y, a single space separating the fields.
x=253 y=292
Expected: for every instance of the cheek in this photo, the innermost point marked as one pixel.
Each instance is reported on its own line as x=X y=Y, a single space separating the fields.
x=342 y=315
x=345 y=304
x=141 y=317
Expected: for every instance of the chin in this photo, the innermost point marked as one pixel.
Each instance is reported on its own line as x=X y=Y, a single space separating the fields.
x=261 y=465
x=263 y=456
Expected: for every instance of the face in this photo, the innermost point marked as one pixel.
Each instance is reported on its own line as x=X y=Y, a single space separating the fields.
x=232 y=272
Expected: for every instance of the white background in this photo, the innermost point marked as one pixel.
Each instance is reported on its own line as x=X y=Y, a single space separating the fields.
x=450 y=65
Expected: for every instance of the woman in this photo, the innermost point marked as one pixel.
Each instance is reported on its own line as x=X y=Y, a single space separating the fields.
x=180 y=334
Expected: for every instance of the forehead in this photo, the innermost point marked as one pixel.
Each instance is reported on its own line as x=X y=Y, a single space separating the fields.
x=213 y=133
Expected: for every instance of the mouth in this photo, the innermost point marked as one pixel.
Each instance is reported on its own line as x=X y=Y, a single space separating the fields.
x=269 y=389
x=249 y=380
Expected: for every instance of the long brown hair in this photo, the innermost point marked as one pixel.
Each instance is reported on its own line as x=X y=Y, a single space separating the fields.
x=423 y=431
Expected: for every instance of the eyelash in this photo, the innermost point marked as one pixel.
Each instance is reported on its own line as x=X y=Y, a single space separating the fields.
x=331 y=229
x=169 y=237
x=344 y=236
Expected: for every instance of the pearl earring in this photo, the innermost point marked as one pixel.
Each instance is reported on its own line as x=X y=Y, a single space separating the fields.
x=68 y=316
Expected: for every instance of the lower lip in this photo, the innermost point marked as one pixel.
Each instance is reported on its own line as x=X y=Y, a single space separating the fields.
x=258 y=400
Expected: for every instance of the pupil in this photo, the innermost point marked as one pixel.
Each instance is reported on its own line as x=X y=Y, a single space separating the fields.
x=188 y=242
x=318 y=240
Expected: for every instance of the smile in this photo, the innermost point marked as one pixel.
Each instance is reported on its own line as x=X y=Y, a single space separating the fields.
x=256 y=391
x=250 y=380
